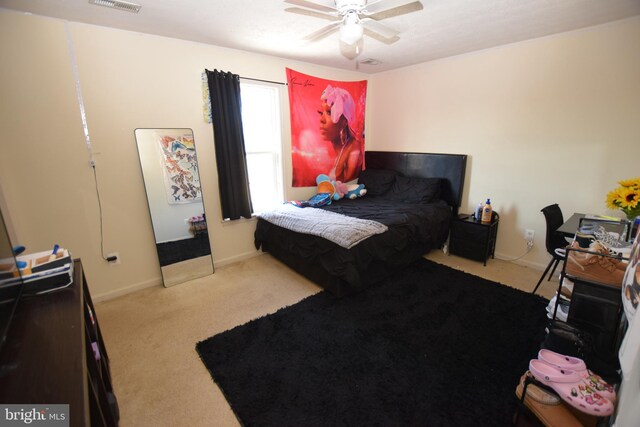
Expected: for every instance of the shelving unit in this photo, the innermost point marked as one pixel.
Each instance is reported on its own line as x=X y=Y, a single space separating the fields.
x=596 y=308
x=56 y=355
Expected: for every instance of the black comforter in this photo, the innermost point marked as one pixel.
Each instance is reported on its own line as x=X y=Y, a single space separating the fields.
x=414 y=229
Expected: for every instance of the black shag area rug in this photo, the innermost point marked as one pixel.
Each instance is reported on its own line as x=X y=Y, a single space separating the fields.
x=433 y=346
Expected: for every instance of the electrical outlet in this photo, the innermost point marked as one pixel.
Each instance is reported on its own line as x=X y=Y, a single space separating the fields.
x=528 y=235
x=115 y=261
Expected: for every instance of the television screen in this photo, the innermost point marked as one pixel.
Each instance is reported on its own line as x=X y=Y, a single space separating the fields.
x=10 y=282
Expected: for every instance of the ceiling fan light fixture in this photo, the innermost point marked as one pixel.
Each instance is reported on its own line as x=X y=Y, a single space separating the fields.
x=345 y=6
x=352 y=18
x=351 y=33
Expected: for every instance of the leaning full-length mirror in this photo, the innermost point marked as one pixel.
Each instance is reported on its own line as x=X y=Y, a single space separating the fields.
x=172 y=183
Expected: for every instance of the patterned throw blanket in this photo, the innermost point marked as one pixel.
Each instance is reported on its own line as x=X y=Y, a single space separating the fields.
x=342 y=230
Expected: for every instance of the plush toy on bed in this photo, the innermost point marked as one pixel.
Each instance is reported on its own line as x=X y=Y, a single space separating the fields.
x=339 y=189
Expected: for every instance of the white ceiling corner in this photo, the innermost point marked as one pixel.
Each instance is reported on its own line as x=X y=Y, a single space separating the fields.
x=443 y=28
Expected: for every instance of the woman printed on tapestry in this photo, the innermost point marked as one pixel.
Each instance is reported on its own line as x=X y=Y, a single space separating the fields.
x=337 y=111
x=333 y=143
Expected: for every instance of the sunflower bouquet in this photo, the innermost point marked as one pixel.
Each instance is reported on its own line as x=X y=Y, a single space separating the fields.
x=626 y=198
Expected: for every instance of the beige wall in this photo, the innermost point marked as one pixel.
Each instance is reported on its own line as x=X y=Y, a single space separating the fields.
x=555 y=119
x=543 y=121
x=129 y=80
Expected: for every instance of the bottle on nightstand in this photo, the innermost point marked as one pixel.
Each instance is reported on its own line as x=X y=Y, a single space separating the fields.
x=478 y=213
x=487 y=210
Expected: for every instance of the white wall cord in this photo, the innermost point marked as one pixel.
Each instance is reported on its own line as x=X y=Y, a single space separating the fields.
x=529 y=247
x=76 y=79
x=85 y=126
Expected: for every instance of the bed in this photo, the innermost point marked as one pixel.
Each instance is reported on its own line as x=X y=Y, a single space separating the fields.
x=414 y=195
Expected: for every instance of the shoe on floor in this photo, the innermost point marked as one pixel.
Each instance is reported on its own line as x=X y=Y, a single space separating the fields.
x=563 y=309
x=571 y=388
x=599 y=247
x=536 y=393
x=592 y=266
x=555 y=415
x=576 y=364
x=612 y=242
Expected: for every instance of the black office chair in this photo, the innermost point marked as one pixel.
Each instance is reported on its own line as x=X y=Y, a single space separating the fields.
x=554 y=239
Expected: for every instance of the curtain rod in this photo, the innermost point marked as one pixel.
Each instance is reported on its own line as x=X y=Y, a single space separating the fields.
x=263 y=81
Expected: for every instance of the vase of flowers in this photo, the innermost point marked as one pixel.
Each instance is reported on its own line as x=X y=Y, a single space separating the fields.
x=626 y=197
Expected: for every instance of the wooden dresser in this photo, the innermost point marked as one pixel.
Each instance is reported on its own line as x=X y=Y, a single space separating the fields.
x=55 y=354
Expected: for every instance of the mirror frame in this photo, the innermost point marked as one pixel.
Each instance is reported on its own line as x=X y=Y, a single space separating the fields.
x=177 y=272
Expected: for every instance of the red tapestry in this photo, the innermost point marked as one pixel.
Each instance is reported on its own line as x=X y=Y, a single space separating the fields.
x=327 y=128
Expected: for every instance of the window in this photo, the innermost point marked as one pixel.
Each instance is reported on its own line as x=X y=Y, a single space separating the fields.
x=261 y=124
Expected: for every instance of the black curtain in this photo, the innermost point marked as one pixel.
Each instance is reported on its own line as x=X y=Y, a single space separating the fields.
x=224 y=90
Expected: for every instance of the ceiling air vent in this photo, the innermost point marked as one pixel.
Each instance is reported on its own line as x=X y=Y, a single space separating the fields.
x=117 y=4
x=371 y=61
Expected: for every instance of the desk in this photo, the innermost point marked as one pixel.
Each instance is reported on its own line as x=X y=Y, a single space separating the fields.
x=570 y=226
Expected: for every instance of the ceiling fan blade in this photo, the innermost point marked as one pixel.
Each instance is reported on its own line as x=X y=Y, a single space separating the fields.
x=321 y=5
x=381 y=39
x=323 y=32
x=308 y=12
x=379 y=12
x=376 y=27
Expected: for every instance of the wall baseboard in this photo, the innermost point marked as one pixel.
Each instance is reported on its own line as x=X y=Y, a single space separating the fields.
x=237 y=258
x=158 y=280
x=525 y=263
x=127 y=290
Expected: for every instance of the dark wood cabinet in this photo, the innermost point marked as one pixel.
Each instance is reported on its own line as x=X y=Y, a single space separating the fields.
x=55 y=354
x=473 y=239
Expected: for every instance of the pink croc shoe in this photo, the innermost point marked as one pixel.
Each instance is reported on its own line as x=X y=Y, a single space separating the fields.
x=575 y=364
x=571 y=388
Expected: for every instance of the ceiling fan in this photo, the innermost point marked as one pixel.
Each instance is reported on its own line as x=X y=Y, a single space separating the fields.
x=354 y=18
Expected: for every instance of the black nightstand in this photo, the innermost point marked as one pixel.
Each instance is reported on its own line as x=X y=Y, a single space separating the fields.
x=474 y=239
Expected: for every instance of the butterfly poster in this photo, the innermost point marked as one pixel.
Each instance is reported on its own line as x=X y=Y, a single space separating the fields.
x=180 y=168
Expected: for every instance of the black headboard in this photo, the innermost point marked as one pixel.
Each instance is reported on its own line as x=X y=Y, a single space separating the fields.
x=450 y=167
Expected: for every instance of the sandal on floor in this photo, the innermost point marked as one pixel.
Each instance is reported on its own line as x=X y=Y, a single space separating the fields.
x=576 y=364
x=536 y=393
x=554 y=415
x=572 y=388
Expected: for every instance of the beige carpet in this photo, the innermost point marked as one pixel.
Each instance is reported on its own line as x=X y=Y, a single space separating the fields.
x=151 y=334
x=183 y=271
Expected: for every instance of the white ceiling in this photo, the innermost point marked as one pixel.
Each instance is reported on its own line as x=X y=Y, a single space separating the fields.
x=443 y=28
